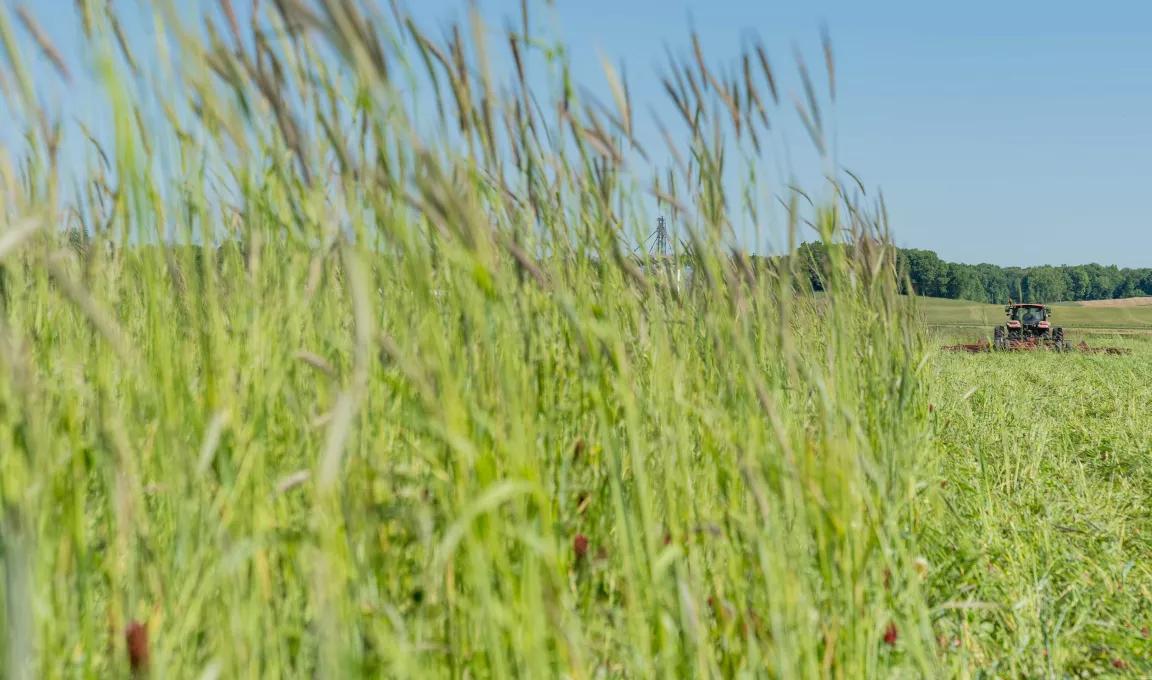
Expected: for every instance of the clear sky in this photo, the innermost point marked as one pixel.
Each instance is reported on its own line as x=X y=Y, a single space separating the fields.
x=1017 y=133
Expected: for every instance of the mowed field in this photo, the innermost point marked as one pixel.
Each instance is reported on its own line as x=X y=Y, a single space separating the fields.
x=1042 y=527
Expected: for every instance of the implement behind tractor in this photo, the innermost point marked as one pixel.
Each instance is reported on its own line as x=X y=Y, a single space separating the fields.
x=1029 y=327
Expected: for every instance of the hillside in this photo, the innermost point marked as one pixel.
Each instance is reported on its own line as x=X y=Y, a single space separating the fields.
x=1126 y=314
x=1142 y=301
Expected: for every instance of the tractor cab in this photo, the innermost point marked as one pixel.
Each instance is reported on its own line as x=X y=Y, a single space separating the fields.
x=1027 y=315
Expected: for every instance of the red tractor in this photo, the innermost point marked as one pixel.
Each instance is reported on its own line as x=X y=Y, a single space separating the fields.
x=1028 y=327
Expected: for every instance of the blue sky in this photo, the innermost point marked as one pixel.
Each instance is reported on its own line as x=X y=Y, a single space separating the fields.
x=1009 y=132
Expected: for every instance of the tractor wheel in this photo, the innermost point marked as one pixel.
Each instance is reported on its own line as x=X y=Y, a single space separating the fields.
x=998 y=338
x=1058 y=337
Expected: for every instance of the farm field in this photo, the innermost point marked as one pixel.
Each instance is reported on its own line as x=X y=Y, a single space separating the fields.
x=1115 y=315
x=324 y=379
x=1042 y=518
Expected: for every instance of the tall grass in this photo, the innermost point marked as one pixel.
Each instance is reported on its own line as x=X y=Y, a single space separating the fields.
x=321 y=386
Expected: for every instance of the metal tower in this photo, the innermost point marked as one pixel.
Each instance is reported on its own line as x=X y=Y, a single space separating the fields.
x=660 y=245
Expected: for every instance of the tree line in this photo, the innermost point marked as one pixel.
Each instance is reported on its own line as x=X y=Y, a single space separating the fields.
x=930 y=276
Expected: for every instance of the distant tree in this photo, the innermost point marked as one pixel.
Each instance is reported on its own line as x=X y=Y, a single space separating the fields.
x=928 y=275
x=1105 y=280
x=1129 y=285
x=1045 y=284
x=927 y=272
x=995 y=282
x=1079 y=283
x=964 y=283
x=812 y=259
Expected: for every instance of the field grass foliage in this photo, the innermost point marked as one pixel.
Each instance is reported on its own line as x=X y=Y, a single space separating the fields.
x=303 y=383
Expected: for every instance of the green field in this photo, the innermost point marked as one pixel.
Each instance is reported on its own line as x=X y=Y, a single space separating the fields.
x=1042 y=518
x=1070 y=315
x=327 y=380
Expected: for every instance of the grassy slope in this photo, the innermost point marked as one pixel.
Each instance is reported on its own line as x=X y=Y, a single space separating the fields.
x=943 y=312
x=1142 y=301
